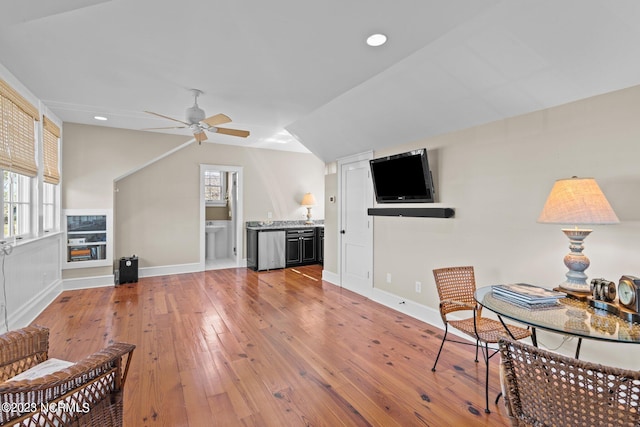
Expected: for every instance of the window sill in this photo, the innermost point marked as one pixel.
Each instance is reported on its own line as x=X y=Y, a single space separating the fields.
x=27 y=240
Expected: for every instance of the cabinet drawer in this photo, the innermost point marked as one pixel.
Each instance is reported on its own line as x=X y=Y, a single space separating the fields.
x=301 y=233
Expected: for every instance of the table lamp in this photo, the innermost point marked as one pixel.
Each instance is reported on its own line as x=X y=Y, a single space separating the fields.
x=308 y=201
x=578 y=202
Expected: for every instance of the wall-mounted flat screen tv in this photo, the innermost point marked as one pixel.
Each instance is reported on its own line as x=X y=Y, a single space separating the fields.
x=403 y=178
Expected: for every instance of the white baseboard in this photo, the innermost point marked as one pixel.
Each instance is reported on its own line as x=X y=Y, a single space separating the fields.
x=109 y=280
x=165 y=270
x=410 y=308
x=331 y=277
x=88 y=282
x=24 y=315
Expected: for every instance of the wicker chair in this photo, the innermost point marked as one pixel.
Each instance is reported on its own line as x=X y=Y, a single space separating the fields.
x=87 y=393
x=456 y=288
x=546 y=388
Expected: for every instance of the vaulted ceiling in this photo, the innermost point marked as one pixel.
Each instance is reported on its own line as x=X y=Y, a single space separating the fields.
x=299 y=76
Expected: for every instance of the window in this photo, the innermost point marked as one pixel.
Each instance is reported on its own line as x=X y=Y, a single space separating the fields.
x=215 y=188
x=16 y=204
x=49 y=207
x=17 y=160
x=51 y=138
x=51 y=174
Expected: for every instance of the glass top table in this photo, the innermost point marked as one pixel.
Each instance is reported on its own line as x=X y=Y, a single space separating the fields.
x=570 y=317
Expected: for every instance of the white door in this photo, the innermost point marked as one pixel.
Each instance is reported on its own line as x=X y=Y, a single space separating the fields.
x=356 y=227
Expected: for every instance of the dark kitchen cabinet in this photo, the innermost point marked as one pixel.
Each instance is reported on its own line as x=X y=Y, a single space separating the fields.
x=320 y=243
x=301 y=247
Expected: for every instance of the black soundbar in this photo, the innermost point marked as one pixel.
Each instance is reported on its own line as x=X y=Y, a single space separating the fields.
x=413 y=212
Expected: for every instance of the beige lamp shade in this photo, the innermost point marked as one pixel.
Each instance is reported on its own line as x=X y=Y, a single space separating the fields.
x=308 y=200
x=577 y=201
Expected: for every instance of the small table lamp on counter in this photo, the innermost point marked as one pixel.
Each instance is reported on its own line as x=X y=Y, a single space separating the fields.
x=577 y=201
x=308 y=201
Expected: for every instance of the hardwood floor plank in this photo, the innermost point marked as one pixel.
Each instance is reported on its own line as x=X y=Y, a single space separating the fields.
x=243 y=406
x=281 y=348
x=222 y=411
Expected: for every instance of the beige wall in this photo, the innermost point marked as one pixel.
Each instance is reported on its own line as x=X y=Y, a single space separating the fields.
x=331 y=223
x=497 y=177
x=92 y=157
x=157 y=209
x=217 y=213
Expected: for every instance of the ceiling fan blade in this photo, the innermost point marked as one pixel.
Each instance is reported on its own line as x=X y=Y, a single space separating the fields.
x=233 y=132
x=200 y=136
x=170 y=127
x=167 y=117
x=216 y=120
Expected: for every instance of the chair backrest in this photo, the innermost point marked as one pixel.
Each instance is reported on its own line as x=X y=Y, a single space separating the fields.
x=455 y=283
x=546 y=388
x=22 y=349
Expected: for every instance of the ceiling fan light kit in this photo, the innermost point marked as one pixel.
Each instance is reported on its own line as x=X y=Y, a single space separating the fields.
x=198 y=124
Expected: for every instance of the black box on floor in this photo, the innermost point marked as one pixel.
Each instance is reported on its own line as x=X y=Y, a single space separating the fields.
x=127 y=270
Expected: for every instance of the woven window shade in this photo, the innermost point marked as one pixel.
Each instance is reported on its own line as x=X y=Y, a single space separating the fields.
x=51 y=138
x=17 y=132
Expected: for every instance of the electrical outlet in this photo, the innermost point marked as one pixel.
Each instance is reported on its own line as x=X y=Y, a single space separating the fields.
x=418 y=287
x=388 y=277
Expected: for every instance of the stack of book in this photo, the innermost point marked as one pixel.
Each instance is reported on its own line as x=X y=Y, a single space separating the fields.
x=529 y=296
x=79 y=254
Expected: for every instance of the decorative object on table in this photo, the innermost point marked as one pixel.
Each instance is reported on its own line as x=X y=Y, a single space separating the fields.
x=629 y=293
x=308 y=201
x=456 y=288
x=603 y=290
x=546 y=388
x=529 y=296
x=628 y=305
x=578 y=202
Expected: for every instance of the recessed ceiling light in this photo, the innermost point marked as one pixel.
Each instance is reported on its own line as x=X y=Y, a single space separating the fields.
x=376 y=40
x=100 y=118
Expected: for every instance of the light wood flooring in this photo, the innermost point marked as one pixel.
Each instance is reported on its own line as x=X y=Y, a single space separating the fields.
x=283 y=348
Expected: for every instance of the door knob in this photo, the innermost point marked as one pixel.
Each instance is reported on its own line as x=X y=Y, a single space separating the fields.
x=342 y=231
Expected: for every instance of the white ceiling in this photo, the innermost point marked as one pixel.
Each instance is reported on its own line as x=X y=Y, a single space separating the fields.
x=302 y=67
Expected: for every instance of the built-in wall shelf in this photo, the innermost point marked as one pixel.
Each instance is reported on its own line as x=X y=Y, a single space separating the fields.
x=89 y=238
x=413 y=212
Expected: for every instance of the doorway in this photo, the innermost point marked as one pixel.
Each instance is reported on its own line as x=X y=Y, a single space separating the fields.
x=221 y=235
x=356 y=227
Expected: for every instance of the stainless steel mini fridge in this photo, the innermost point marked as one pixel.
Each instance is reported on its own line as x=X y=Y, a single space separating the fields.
x=271 y=253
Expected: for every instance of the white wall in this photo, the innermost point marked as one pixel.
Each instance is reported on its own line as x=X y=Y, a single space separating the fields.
x=30 y=274
x=497 y=177
x=31 y=277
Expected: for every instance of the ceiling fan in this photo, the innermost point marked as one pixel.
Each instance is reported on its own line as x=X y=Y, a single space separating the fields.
x=196 y=121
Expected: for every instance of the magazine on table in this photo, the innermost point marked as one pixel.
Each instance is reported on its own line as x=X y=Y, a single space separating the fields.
x=527 y=294
x=529 y=306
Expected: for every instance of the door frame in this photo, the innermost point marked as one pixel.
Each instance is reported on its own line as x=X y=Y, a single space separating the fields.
x=239 y=211
x=341 y=163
